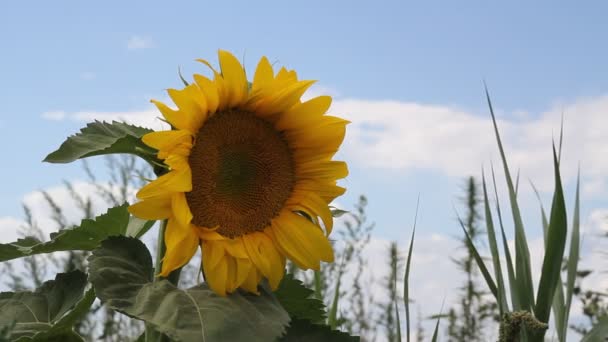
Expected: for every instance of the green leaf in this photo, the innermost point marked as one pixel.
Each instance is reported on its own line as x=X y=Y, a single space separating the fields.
x=138 y=227
x=64 y=327
x=99 y=138
x=86 y=237
x=522 y=253
x=36 y=314
x=558 y=305
x=301 y=330
x=335 y=212
x=298 y=300
x=513 y=284
x=479 y=261
x=332 y=319
x=436 y=331
x=121 y=272
x=502 y=298
x=554 y=251
x=406 y=277
x=573 y=257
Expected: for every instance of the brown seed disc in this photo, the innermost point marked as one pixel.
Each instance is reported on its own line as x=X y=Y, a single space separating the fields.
x=242 y=173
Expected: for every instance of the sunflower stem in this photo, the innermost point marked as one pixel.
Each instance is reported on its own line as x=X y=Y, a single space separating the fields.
x=318 y=289
x=160 y=250
x=151 y=334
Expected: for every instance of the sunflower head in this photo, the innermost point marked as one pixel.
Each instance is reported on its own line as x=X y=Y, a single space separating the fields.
x=250 y=175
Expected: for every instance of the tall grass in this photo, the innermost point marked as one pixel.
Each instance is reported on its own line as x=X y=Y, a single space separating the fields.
x=526 y=317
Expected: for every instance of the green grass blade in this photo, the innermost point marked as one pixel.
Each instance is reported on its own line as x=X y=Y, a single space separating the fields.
x=317 y=282
x=436 y=331
x=559 y=308
x=479 y=261
x=513 y=284
x=554 y=251
x=502 y=300
x=522 y=253
x=573 y=256
x=517 y=183
x=406 y=286
x=332 y=316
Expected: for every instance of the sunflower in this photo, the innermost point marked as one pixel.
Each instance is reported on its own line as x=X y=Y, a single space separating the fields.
x=249 y=175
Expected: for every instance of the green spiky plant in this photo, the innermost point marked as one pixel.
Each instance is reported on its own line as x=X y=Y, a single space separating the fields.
x=527 y=317
x=469 y=318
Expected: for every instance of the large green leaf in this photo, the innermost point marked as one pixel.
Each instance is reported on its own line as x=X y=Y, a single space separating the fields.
x=523 y=273
x=121 y=272
x=502 y=298
x=513 y=284
x=573 y=256
x=99 y=138
x=299 y=300
x=301 y=330
x=84 y=237
x=36 y=315
x=554 y=250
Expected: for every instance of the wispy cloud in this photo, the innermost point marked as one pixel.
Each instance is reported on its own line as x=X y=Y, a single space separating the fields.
x=54 y=115
x=140 y=42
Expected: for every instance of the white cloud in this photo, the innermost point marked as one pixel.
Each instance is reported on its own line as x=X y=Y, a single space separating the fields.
x=55 y=115
x=140 y=42
x=597 y=222
x=9 y=227
x=145 y=118
x=408 y=136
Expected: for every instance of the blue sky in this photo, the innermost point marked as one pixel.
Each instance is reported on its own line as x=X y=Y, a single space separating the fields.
x=409 y=75
x=76 y=57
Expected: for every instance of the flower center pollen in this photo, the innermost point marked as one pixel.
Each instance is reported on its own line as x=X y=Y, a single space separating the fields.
x=242 y=173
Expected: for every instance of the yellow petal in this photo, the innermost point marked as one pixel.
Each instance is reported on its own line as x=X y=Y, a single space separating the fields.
x=243 y=266
x=284 y=99
x=177 y=162
x=231 y=280
x=304 y=114
x=326 y=135
x=165 y=140
x=301 y=241
x=208 y=234
x=328 y=191
x=192 y=104
x=217 y=277
x=213 y=252
x=316 y=205
x=181 y=243
x=262 y=252
x=264 y=75
x=234 y=75
x=208 y=88
x=251 y=282
x=156 y=208
x=235 y=247
x=174 y=117
x=181 y=210
x=287 y=75
x=330 y=170
x=174 y=181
